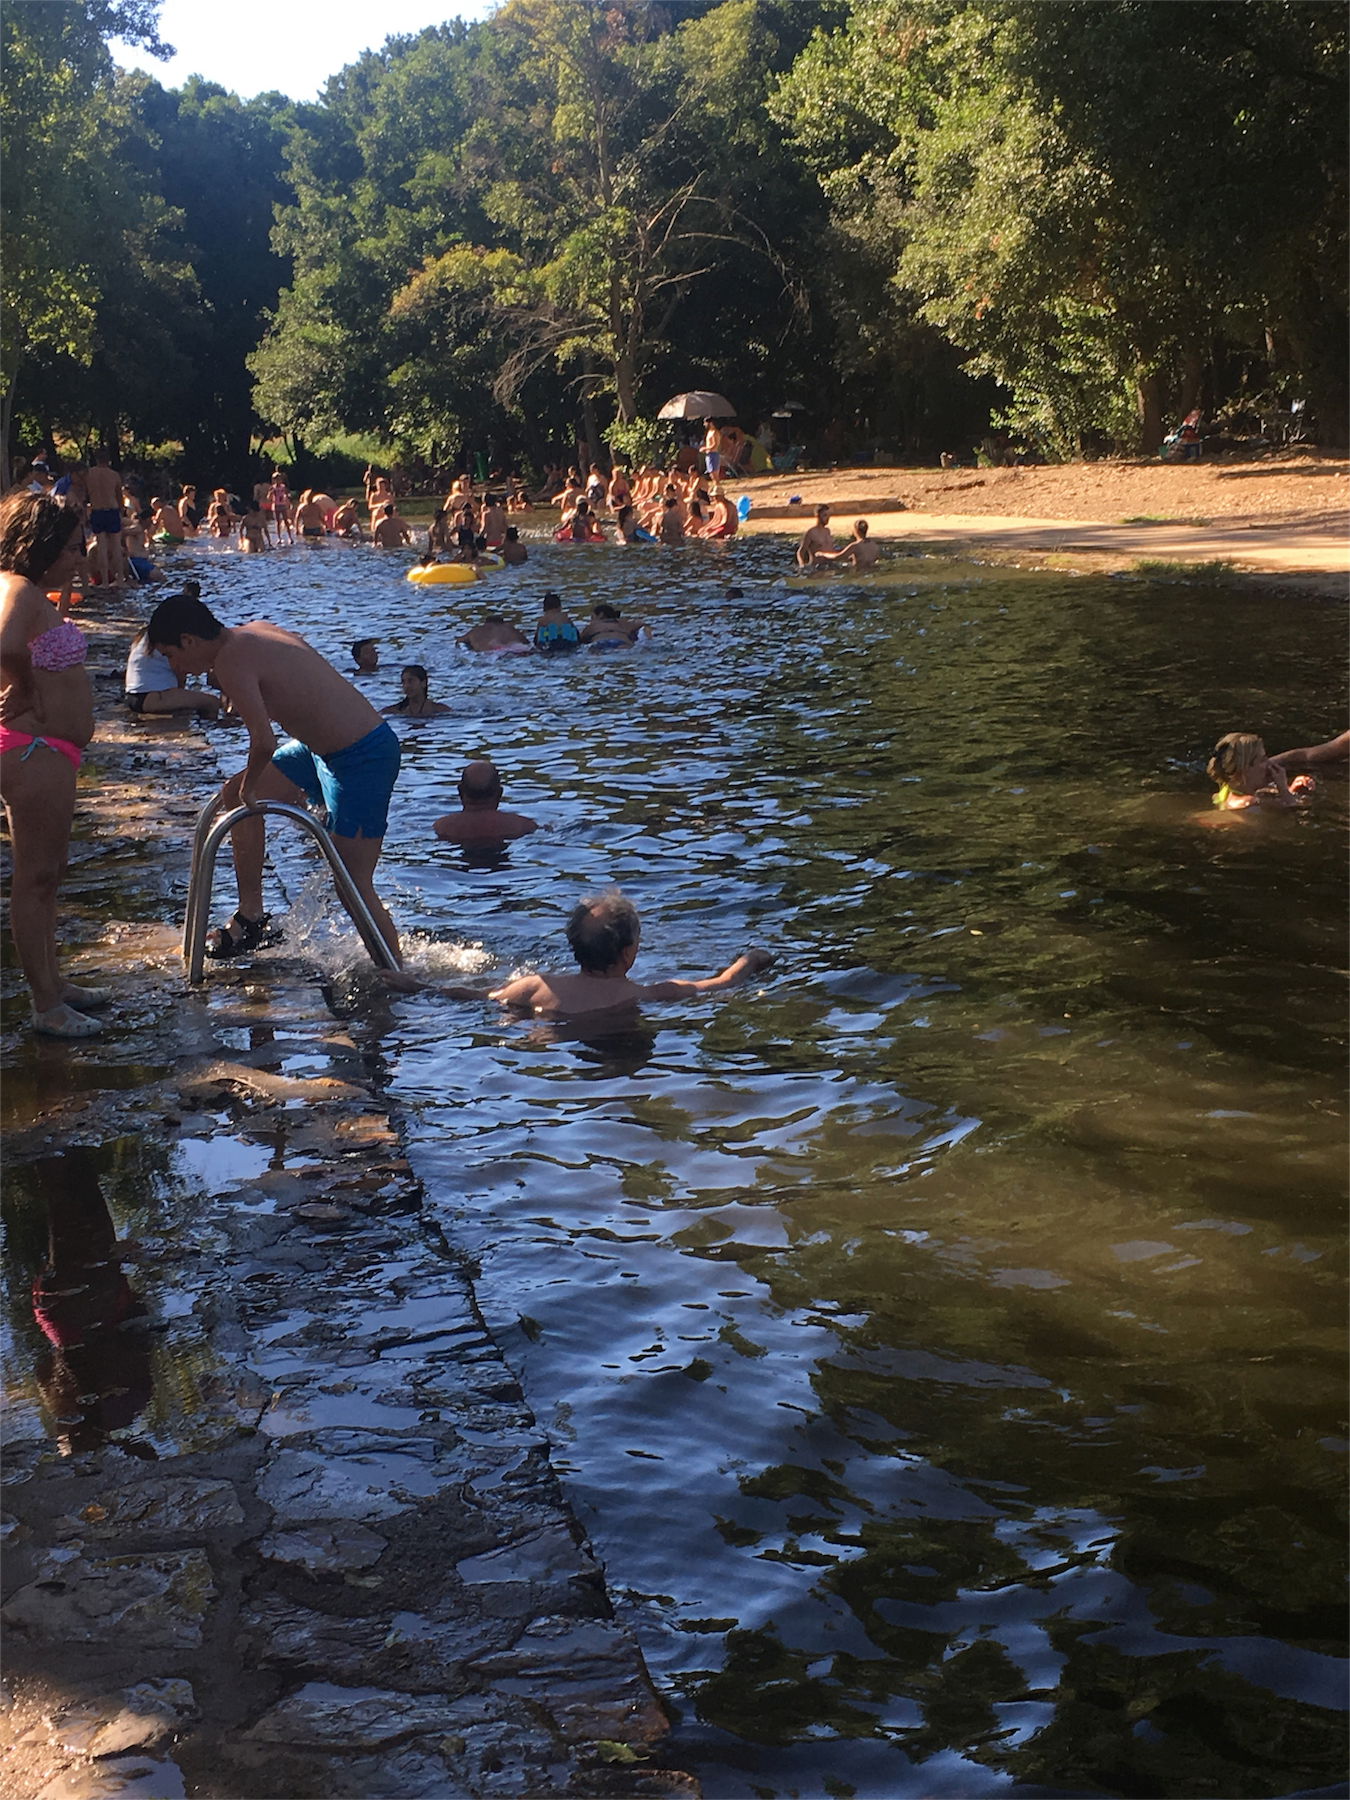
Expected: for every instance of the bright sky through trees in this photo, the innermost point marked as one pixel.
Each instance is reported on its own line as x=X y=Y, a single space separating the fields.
x=290 y=49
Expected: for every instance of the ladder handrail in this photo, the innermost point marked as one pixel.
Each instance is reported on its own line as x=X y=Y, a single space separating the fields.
x=206 y=842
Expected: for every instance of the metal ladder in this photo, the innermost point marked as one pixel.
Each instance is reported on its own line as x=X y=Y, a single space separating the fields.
x=211 y=829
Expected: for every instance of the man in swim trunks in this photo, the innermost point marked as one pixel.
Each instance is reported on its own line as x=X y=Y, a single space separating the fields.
x=482 y=821
x=343 y=753
x=366 y=655
x=816 y=539
x=605 y=934
x=103 y=488
x=712 y=448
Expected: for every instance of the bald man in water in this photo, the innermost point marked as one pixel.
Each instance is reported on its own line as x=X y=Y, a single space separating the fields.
x=482 y=821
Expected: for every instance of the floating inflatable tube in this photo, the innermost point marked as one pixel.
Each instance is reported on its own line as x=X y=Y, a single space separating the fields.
x=491 y=561
x=442 y=574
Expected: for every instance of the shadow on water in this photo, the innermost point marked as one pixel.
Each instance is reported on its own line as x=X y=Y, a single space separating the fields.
x=942 y=1340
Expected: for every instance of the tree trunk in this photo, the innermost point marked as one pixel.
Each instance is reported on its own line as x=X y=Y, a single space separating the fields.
x=1192 y=378
x=1148 y=397
x=590 y=429
x=6 y=426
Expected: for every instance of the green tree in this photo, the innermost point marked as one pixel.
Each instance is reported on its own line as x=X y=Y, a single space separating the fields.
x=57 y=235
x=1085 y=197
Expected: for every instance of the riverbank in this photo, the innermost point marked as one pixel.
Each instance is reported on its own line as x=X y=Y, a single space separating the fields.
x=278 y=1519
x=1283 y=517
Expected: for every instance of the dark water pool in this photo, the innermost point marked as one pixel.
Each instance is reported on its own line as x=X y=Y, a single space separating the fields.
x=943 y=1339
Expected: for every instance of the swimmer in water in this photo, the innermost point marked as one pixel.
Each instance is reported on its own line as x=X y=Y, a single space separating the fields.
x=416 y=702
x=481 y=819
x=817 y=540
x=254 y=532
x=606 y=629
x=604 y=934
x=1245 y=776
x=860 y=551
x=495 y=635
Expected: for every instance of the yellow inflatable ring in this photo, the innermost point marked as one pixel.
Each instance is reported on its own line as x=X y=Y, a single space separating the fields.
x=491 y=561
x=442 y=574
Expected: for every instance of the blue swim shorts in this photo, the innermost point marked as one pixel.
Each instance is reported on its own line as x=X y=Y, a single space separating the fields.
x=105 y=521
x=354 y=784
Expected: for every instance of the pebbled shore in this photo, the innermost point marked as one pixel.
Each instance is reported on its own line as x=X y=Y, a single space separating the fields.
x=306 y=1539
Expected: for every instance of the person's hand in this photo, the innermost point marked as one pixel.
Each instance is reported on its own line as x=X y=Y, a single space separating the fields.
x=1302 y=784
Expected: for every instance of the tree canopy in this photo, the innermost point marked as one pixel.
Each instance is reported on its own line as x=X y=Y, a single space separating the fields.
x=1078 y=219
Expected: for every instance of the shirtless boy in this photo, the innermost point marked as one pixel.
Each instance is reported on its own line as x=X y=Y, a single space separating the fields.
x=816 y=539
x=494 y=522
x=605 y=935
x=343 y=753
x=861 y=551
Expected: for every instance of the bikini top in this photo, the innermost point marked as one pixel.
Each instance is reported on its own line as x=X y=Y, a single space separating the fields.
x=63 y=647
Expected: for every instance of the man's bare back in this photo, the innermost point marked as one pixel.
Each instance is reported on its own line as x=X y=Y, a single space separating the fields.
x=301 y=691
x=103 y=486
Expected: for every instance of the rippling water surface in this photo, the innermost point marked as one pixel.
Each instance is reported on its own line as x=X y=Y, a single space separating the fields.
x=942 y=1339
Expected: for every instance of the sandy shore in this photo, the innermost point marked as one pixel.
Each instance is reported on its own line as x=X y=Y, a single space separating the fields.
x=1286 y=515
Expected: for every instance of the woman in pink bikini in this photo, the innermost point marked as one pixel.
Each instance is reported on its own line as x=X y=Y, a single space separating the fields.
x=46 y=719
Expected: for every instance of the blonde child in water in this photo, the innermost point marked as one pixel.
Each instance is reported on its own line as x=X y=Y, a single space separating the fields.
x=1246 y=776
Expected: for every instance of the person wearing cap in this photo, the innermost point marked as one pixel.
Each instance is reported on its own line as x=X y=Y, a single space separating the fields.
x=481 y=820
x=366 y=655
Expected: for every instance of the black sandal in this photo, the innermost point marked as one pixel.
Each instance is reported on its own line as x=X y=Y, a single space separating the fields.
x=238 y=935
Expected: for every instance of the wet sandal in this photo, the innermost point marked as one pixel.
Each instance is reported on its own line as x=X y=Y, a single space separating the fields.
x=240 y=935
x=64 y=1022
x=85 y=998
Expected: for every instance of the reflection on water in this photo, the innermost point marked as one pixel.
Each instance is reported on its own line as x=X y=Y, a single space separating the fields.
x=943 y=1345
x=93 y=1372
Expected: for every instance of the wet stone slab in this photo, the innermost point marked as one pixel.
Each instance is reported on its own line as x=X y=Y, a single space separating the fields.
x=123 y=1602
x=308 y=1541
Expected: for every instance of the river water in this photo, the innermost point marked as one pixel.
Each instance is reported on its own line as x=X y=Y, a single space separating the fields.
x=941 y=1338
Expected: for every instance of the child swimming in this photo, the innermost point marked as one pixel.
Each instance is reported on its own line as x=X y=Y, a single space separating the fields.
x=1245 y=776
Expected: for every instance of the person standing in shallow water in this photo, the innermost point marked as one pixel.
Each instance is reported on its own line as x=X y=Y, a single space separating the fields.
x=46 y=720
x=342 y=753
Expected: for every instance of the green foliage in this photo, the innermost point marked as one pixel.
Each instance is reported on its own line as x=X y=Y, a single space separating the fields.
x=911 y=214
x=640 y=442
x=1068 y=192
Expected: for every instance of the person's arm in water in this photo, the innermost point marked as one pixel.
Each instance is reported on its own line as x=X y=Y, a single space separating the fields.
x=749 y=962
x=1312 y=756
x=404 y=983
